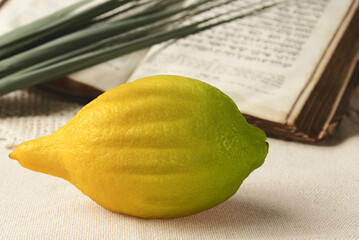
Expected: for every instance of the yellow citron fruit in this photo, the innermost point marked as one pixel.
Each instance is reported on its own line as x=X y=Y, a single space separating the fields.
x=159 y=147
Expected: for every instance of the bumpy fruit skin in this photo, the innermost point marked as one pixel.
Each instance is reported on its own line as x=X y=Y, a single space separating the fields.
x=158 y=147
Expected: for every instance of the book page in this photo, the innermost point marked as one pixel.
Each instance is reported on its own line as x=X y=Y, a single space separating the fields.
x=263 y=62
x=16 y=13
x=321 y=67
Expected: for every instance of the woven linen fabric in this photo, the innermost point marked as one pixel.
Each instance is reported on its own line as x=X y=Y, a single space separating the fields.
x=301 y=191
x=32 y=113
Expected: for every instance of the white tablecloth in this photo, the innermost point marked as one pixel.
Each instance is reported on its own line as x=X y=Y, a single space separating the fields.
x=301 y=191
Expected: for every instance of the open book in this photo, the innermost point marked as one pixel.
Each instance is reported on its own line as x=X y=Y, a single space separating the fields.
x=289 y=68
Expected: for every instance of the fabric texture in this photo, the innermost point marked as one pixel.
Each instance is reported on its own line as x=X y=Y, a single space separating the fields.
x=301 y=191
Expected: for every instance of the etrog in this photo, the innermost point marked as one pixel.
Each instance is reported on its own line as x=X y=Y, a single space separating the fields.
x=158 y=147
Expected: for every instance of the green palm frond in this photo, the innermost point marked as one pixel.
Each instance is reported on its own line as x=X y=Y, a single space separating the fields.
x=89 y=33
